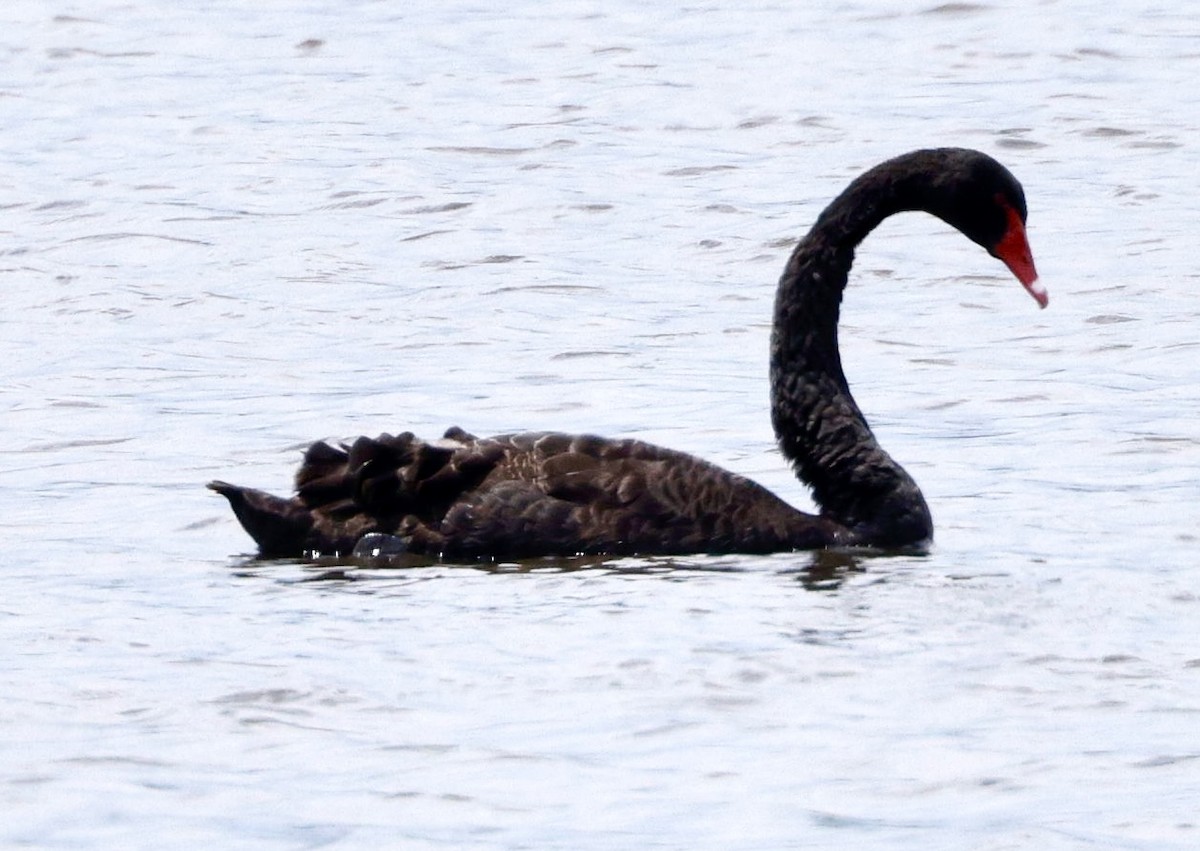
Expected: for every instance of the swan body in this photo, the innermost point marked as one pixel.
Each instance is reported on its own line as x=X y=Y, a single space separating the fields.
x=550 y=494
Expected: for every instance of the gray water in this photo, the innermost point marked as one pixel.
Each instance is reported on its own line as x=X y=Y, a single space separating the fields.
x=230 y=229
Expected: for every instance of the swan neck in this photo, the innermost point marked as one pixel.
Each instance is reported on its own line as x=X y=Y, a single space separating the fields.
x=819 y=426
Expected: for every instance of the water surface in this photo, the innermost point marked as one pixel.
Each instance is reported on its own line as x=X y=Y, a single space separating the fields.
x=230 y=231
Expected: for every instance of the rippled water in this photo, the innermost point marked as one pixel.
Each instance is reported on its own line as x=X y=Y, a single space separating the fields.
x=229 y=230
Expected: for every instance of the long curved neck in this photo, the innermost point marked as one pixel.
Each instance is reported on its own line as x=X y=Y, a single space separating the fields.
x=817 y=422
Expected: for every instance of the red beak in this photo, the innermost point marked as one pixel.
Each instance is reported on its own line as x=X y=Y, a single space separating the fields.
x=1013 y=250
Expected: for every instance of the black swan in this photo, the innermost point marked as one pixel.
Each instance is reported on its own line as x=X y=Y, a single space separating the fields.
x=549 y=494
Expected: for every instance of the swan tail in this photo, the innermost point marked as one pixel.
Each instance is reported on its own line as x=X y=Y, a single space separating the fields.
x=279 y=526
x=390 y=485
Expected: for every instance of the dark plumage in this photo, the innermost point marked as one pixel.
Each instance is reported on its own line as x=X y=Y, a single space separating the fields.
x=541 y=493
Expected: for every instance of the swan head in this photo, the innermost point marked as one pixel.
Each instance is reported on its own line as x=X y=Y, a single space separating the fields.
x=981 y=198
